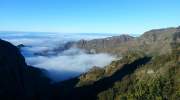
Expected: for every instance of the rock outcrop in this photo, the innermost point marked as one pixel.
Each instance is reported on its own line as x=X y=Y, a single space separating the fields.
x=105 y=45
x=157 y=41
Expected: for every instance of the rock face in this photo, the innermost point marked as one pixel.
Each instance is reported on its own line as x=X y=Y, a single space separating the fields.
x=157 y=41
x=103 y=45
x=17 y=80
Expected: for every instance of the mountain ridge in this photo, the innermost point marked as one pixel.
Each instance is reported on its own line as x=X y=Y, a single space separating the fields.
x=153 y=38
x=148 y=70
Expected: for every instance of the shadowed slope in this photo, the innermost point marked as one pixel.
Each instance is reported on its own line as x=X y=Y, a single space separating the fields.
x=90 y=92
x=17 y=80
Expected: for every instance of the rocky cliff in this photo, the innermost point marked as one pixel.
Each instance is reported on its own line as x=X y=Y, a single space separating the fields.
x=157 y=41
x=106 y=45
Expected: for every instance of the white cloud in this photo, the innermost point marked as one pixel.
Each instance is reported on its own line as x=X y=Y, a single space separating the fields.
x=71 y=62
x=66 y=64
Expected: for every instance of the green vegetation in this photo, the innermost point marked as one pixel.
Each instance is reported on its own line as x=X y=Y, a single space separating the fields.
x=97 y=73
x=93 y=75
x=133 y=77
x=148 y=69
x=157 y=80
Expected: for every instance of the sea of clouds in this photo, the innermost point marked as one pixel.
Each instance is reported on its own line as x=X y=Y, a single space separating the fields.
x=66 y=64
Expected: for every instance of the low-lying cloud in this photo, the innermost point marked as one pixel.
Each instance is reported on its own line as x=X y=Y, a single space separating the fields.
x=71 y=63
x=64 y=65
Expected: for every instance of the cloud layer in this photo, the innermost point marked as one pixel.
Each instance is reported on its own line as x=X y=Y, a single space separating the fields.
x=71 y=63
x=64 y=65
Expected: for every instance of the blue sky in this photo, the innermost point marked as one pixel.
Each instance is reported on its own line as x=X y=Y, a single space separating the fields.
x=86 y=16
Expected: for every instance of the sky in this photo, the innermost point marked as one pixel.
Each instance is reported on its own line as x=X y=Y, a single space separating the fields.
x=88 y=16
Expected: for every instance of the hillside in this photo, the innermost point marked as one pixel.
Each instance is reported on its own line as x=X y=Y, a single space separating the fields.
x=18 y=81
x=154 y=41
x=148 y=69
